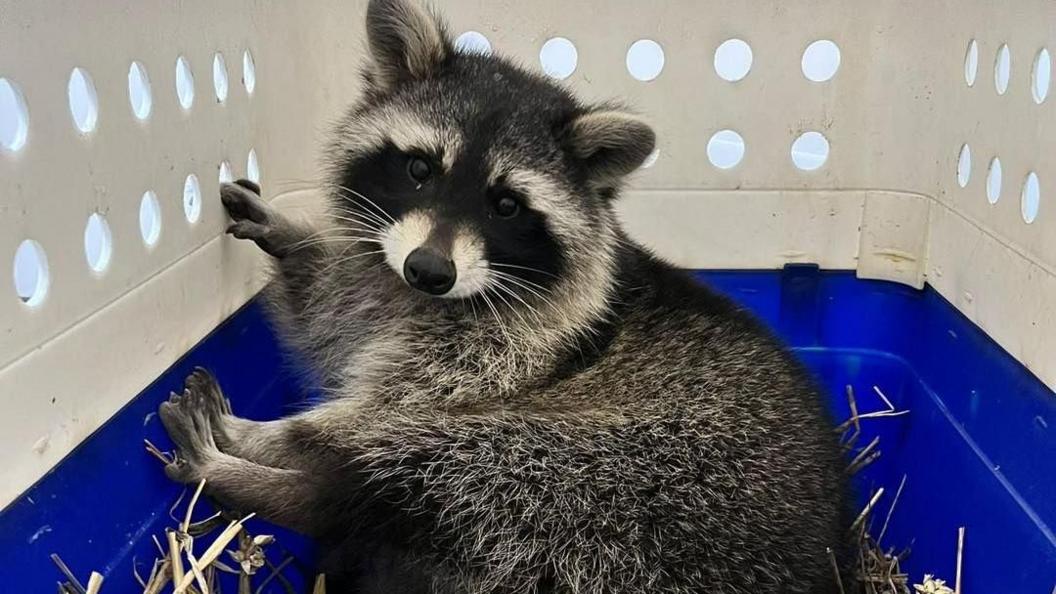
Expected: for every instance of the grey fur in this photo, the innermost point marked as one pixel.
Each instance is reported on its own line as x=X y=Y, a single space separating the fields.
x=619 y=429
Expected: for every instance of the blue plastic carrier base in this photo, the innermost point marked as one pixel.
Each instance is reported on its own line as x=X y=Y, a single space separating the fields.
x=977 y=447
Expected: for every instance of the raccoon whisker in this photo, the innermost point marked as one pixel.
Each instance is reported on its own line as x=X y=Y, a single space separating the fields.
x=295 y=184
x=499 y=286
x=363 y=210
x=368 y=201
x=526 y=268
x=495 y=312
x=304 y=244
x=346 y=259
x=321 y=236
x=336 y=233
x=366 y=232
x=524 y=282
x=536 y=291
x=526 y=285
x=361 y=218
x=318 y=295
x=341 y=259
x=495 y=287
x=473 y=308
x=532 y=310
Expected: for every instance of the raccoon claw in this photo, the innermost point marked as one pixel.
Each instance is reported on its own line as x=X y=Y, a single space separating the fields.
x=202 y=383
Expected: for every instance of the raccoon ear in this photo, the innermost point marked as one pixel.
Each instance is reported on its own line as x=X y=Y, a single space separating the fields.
x=610 y=143
x=407 y=42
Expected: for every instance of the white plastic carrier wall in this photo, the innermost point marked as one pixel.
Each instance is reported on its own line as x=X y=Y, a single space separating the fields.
x=911 y=141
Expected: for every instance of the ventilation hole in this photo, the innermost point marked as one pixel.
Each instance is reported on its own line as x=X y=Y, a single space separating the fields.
x=220 y=77
x=733 y=60
x=192 y=198
x=964 y=166
x=651 y=159
x=97 y=242
x=821 y=60
x=993 y=181
x=1040 y=77
x=971 y=62
x=472 y=42
x=249 y=72
x=645 y=60
x=1002 y=69
x=725 y=149
x=184 y=83
x=31 y=273
x=139 y=91
x=226 y=175
x=84 y=103
x=149 y=218
x=253 y=167
x=1030 y=199
x=14 y=117
x=559 y=58
x=810 y=151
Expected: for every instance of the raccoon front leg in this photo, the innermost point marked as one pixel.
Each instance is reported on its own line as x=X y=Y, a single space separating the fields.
x=283 y=496
x=256 y=220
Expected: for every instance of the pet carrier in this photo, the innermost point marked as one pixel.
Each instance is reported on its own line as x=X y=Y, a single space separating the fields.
x=873 y=179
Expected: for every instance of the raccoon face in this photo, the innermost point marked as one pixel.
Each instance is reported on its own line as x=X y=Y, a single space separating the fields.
x=473 y=175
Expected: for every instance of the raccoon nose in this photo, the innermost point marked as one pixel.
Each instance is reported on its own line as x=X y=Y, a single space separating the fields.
x=429 y=272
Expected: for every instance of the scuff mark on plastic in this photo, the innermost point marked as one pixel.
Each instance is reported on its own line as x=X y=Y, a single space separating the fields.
x=896 y=256
x=46 y=528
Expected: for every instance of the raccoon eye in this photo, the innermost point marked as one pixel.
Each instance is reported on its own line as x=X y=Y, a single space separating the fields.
x=419 y=170
x=507 y=207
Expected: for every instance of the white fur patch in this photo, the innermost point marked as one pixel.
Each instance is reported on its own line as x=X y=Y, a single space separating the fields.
x=468 y=254
x=405 y=129
x=545 y=195
x=407 y=235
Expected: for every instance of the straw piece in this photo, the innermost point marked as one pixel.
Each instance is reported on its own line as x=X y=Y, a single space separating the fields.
x=211 y=553
x=891 y=510
x=960 y=559
x=195 y=575
x=176 y=563
x=95 y=583
x=832 y=559
x=276 y=572
x=190 y=507
x=160 y=578
x=72 y=579
x=162 y=456
x=868 y=509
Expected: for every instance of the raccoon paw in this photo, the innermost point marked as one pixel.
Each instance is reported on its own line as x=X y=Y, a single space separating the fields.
x=255 y=219
x=243 y=203
x=215 y=405
x=186 y=418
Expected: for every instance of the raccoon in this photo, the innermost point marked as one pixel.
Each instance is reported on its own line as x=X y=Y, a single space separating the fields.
x=519 y=398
